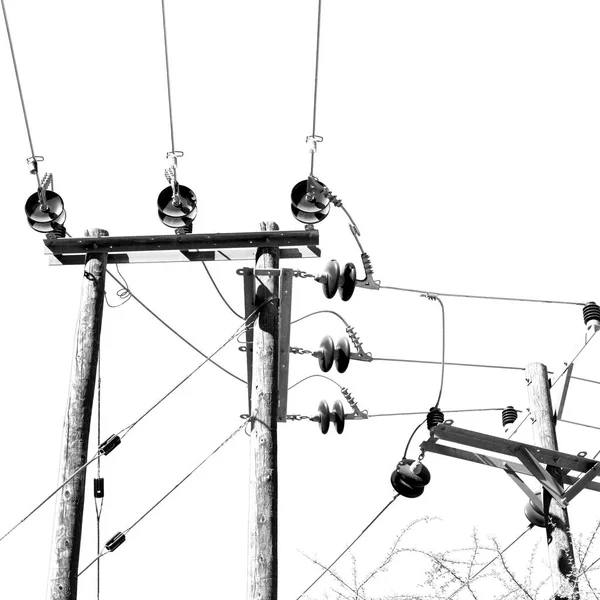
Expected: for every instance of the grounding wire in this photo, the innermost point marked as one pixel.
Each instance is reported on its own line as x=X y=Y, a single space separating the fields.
x=98 y=502
x=508 y=299
x=14 y=61
x=327 y=569
x=175 y=332
x=156 y=504
x=314 y=120
x=164 y=22
x=219 y=291
x=126 y=430
x=471 y=579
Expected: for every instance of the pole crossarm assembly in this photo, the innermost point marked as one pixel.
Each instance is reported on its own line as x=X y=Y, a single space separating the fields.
x=531 y=458
x=184 y=248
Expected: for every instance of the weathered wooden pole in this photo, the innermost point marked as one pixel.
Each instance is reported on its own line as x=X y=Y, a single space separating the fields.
x=262 y=528
x=558 y=532
x=69 y=505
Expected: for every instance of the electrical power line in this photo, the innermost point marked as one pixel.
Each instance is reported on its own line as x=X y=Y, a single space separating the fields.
x=327 y=569
x=449 y=364
x=471 y=579
x=164 y=22
x=172 y=330
x=587 y=341
x=508 y=299
x=314 y=120
x=163 y=498
x=14 y=61
x=219 y=291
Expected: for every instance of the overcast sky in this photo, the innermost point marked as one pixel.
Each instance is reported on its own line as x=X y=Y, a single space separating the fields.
x=462 y=137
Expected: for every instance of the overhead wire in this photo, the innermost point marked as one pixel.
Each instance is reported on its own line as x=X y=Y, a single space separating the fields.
x=125 y=430
x=315 y=375
x=471 y=579
x=314 y=119
x=327 y=569
x=502 y=298
x=449 y=364
x=219 y=292
x=163 y=498
x=172 y=330
x=587 y=341
x=316 y=312
x=14 y=61
x=164 y=23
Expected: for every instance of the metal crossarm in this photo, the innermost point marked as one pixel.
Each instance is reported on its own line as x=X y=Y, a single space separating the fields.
x=530 y=456
x=183 y=248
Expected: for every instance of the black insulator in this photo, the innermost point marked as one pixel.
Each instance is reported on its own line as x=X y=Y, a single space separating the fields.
x=509 y=415
x=591 y=312
x=99 y=487
x=309 y=218
x=310 y=200
x=182 y=205
x=115 y=541
x=109 y=445
x=434 y=417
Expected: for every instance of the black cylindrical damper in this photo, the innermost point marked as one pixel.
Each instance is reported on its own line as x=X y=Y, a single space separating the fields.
x=509 y=415
x=434 y=417
x=591 y=312
x=109 y=445
x=99 y=487
x=115 y=541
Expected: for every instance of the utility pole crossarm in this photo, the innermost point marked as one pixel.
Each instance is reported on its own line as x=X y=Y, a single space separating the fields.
x=184 y=248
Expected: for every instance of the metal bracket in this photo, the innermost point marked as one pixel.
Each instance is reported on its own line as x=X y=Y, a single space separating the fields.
x=563 y=388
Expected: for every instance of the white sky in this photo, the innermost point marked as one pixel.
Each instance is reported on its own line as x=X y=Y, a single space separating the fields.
x=463 y=138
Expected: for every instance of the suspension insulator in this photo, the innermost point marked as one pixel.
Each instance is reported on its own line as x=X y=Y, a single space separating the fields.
x=309 y=195
x=404 y=489
x=309 y=218
x=534 y=511
x=434 y=417
x=591 y=314
x=177 y=221
x=181 y=205
x=325 y=353
x=45 y=218
x=340 y=418
x=324 y=419
x=347 y=282
x=330 y=279
x=99 y=487
x=342 y=354
x=509 y=415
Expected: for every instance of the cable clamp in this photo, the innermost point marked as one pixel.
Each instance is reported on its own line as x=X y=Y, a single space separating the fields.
x=173 y=156
x=313 y=140
x=33 y=161
x=429 y=296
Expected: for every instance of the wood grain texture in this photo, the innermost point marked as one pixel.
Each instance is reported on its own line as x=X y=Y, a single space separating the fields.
x=262 y=528
x=560 y=546
x=64 y=561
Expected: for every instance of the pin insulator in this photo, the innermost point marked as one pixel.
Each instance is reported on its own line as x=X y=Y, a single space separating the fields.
x=115 y=541
x=509 y=415
x=109 y=445
x=591 y=312
x=99 y=487
x=434 y=417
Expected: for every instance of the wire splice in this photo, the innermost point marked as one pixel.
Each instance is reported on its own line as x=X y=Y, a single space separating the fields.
x=109 y=445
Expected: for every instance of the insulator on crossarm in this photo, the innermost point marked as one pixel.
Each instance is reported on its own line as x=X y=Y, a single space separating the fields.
x=509 y=416
x=591 y=315
x=434 y=417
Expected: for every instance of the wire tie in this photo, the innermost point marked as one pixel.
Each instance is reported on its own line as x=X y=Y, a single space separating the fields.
x=313 y=140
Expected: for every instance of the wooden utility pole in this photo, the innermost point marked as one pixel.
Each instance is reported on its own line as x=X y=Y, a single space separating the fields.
x=69 y=506
x=558 y=532
x=262 y=534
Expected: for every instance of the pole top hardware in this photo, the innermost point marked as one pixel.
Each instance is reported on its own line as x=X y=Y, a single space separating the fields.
x=33 y=161
x=313 y=140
